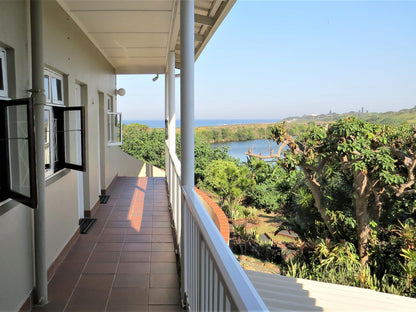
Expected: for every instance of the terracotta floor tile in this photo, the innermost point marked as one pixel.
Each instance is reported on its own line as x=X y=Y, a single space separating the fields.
x=129 y=296
x=139 y=238
x=164 y=296
x=96 y=281
x=162 y=230
x=162 y=238
x=135 y=256
x=164 y=280
x=111 y=238
x=84 y=308
x=161 y=213
x=163 y=256
x=108 y=247
x=115 y=231
x=133 y=268
x=117 y=224
x=128 y=308
x=137 y=247
x=100 y=268
x=161 y=224
x=89 y=297
x=163 y=268
x=145 y=230
x=132 y=280
x=162 y=247
x=104 y=256
x=165 y=308
x=161 y=218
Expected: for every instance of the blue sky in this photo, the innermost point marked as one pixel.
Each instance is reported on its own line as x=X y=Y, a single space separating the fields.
x=274 y=59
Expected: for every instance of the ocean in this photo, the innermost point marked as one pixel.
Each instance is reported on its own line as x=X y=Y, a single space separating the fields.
x=202 y=122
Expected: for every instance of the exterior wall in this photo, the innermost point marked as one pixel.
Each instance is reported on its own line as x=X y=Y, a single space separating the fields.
x=129 y=166
x=69 y=52
x=15 y=220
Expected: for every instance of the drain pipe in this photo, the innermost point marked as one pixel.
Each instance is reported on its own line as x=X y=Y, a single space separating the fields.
x=38 y=94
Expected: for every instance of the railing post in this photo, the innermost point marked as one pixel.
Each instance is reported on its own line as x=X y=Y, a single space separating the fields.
x=187 y=122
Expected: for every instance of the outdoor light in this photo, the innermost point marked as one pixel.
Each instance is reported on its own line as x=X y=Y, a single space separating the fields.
x=121 y=92
x=156 y=78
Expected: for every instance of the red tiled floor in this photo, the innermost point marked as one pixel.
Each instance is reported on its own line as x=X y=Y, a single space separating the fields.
x=126 y=262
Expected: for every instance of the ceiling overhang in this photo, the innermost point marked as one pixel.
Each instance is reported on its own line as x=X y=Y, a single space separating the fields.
x=135 y=36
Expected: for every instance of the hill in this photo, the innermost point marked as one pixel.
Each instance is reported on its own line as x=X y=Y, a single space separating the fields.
x=388 y=118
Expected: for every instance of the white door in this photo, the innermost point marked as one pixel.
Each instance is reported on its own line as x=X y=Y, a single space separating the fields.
x=80 y=178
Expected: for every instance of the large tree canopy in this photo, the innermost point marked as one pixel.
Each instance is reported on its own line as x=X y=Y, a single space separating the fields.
x=372 y=157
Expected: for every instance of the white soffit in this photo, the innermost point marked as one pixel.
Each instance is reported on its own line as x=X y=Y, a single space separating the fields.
x=136 y=35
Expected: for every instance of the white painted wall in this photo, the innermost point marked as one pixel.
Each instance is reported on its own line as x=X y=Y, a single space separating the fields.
x=15 y=224
x=68 y=51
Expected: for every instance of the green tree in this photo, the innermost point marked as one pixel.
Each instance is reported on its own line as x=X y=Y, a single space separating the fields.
x=372 y=157
x=229 y=181
x=145 y=144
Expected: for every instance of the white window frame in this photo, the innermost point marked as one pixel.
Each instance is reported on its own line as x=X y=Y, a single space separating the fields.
x=52 y=143
x=112 y=138
x=51 y=75
x=110 y=105
x=4 y=93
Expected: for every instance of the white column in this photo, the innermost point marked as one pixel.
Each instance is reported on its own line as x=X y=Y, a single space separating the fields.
x=166 y=123
x=187 y=127
x=171 y=93
x=187 y=92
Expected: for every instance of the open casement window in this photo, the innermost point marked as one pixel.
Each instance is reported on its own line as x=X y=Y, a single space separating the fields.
x=17 y=156
x=64 y=138
x=3 y=74
x=114 y=128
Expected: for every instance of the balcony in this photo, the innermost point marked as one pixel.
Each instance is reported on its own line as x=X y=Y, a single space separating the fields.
x=127 y=260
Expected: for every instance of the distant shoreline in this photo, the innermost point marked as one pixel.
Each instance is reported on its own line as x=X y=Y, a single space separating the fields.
x=157 y=123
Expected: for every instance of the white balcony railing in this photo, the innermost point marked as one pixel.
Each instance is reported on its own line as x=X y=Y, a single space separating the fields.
x=211 y=278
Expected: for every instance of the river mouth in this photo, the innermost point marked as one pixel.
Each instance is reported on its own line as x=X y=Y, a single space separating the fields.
x=239 y=149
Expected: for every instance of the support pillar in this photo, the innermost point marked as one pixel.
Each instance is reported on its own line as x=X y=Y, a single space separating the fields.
x=38 y=94
x=187 y=128
x=171 y=101
x=187 y=92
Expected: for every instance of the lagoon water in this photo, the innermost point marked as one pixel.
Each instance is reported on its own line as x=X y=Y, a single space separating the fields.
x=239 y=149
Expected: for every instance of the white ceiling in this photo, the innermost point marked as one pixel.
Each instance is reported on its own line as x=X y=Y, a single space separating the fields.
x=136 y=35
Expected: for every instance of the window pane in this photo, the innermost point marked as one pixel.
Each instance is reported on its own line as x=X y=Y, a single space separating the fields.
x=18 y=146
x=114 y=128
x=46 y=126
x=1 y=74
x=73 y=135
x=46 y=87
x=56 y=90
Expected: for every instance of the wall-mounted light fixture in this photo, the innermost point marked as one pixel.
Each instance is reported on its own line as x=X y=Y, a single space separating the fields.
x=156 y=78
x=121 y=92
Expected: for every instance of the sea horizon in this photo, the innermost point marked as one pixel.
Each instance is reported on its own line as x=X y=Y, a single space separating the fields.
x=160 y=123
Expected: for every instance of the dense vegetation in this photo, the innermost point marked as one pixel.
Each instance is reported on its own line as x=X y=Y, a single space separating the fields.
x=347 y=189
x=234 y=133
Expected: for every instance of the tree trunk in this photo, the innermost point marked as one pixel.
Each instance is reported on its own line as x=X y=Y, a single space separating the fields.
x=363 y=221
x=316 y=191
